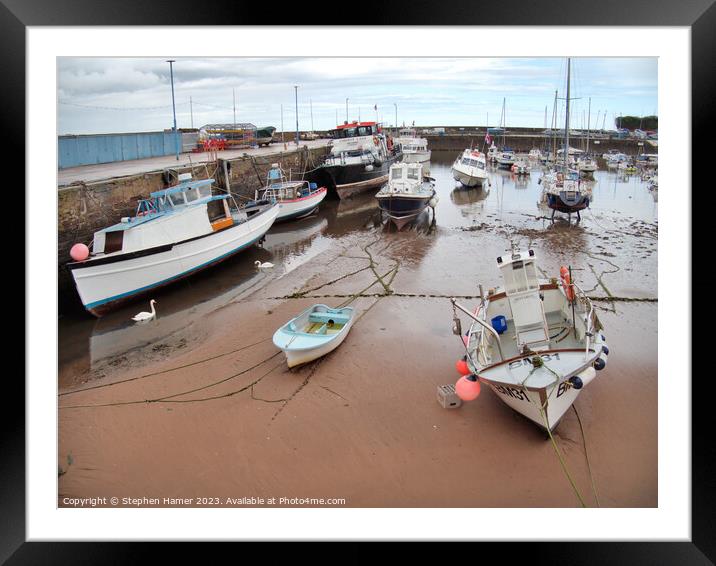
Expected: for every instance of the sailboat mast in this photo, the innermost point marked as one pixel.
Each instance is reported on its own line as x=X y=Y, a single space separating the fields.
x=566 y=121
x=589 y=115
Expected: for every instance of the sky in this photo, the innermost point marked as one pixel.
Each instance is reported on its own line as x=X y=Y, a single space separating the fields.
x=115 y=95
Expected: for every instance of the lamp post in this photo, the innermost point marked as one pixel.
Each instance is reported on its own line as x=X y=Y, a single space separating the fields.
x=296 y=89
x=174 y=110
x=346 y=110
x=396 y=116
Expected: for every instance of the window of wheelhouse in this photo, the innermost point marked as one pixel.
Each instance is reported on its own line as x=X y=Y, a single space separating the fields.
x=365 y=130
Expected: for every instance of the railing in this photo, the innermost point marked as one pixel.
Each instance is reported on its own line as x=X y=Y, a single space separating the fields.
x=589 y=315
x=484 y=325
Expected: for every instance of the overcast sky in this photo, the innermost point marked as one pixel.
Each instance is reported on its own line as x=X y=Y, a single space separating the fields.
x=105 y=95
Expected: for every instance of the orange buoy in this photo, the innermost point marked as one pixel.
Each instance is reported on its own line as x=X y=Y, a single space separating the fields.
x=468 y=387
x=461 y=367
x=566 y=283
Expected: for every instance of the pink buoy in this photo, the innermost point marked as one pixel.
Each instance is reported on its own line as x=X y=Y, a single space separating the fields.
x=461 y=367
x=79 y=252
x=468 y=387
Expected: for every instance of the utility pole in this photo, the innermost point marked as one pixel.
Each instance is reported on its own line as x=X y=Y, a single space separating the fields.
x=346 y=110
x=191 y=113
x=310 y=101
x=174 y=110
x=396 y=115
x=296 y=89
x=283 y=141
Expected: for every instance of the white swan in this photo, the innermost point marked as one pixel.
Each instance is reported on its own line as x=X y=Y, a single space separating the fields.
x=145 y=316
x=265 y=265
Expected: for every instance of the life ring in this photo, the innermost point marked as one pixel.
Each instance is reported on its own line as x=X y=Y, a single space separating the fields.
x=375 y=140
x=566 y=283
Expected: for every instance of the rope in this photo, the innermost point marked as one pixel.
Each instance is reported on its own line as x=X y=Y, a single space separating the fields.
x=168 y=398
x=586 y=455
x=162 y=371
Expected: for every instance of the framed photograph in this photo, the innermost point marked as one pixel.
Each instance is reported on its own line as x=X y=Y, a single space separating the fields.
x=387 y=281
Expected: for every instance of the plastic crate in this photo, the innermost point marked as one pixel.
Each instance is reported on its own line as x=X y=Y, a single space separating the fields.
x=447 y=397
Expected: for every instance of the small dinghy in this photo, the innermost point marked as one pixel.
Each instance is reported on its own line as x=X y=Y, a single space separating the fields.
x=313 y=333
x=536 y=343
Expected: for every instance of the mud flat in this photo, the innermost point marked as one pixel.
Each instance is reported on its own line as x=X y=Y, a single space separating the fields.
x=202 y=405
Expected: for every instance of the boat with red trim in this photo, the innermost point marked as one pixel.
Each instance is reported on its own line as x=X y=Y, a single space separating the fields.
x=360 y=158
x=296 y=199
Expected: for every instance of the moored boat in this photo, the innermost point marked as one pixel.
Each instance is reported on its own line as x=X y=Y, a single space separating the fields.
x=506 y=158
x=407 y=193
x=314 y=333
x=174 y=233
x=535 y=342
x=361 y=155
x=414 y=148
x=264 y=136
x=470 y=168
x=521 y=166
x=296 y=198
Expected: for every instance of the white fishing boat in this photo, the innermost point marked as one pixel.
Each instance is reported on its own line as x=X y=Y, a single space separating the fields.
x=314 y=333
x=408 y=192
x=535 y=342
x=506 y=158
x=521 y=166
x=175 y=233
x=586 y=165
x=534 y=154
x=492 y=152
x=414 y=148
x=296 y=198
x=470 y=168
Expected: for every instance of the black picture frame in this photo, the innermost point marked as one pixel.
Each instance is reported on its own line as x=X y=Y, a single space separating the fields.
x=699 y=15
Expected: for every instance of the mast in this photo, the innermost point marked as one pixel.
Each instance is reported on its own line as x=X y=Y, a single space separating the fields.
x=566 y=121
x=553 y=133
x=589 y=115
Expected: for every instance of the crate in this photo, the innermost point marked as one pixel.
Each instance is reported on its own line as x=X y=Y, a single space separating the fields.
x=447 y=397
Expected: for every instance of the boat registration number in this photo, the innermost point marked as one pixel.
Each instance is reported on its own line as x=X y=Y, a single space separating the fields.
x=511 y=392
x=571 y=194
x=528 y=361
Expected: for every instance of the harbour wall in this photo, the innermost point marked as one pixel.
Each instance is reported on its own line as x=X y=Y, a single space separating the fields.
x=84 y=208
x=523 y=143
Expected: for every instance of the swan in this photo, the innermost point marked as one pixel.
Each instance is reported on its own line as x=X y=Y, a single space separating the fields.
x=145 y=316
x=265 y=265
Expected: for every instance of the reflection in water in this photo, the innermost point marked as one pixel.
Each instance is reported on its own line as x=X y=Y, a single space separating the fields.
x=85 y=341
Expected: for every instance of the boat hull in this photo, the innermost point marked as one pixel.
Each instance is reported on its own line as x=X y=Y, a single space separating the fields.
x=106 y=282
x=351 y=179
x=468 y=180
x=299 y=208
x=402 y=209
x=417 y=157
x=300 y=347
x=566 y=203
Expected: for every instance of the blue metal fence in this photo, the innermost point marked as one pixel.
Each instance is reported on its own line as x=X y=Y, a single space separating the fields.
x=106 y=148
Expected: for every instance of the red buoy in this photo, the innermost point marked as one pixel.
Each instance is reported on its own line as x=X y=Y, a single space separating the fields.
x=461 y=367
x=468 y=387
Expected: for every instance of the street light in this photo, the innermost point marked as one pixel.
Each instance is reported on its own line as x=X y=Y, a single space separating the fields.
x=174 y=110
x=396 y=115
x=346 y=110
x=296 y=88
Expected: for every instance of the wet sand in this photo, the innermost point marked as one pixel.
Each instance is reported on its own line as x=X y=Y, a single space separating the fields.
x=363 y=423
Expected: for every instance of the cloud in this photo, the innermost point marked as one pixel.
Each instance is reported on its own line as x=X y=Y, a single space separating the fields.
x=98 y=93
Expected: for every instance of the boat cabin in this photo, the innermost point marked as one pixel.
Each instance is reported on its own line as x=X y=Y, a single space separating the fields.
x=522 y=290
x=355 y=129
x=472 y=159
x=186 y=210
x=279 y=188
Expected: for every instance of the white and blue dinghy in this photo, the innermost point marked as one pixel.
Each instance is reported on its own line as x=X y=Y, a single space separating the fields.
x=313 y=333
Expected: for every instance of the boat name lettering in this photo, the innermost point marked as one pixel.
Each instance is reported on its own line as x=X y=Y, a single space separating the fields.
x=528 y=361
x=512 y=392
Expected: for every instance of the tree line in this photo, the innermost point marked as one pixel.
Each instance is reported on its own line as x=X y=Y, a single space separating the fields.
x=640 y=122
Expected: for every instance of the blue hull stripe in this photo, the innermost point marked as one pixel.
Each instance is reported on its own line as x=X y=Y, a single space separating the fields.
x=170 y=279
